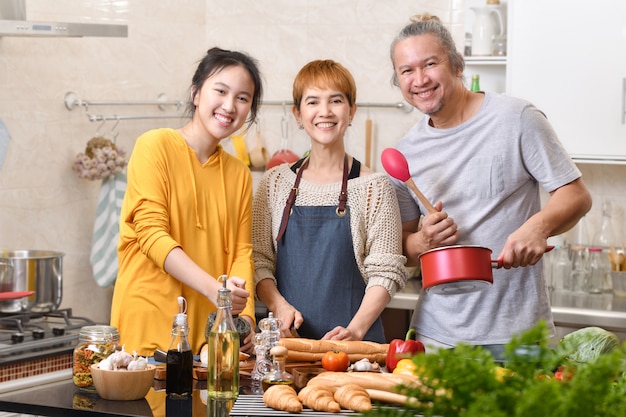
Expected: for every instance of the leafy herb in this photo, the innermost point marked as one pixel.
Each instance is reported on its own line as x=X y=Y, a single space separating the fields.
x=467 y=382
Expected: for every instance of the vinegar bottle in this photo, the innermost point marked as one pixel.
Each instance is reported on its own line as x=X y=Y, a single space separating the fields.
x=179 y=362
x=223 y=342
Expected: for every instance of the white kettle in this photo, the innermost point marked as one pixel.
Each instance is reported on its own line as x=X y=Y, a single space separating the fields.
x=486 y=29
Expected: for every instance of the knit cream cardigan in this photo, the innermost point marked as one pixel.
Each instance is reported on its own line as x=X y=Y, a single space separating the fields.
x=374 y=221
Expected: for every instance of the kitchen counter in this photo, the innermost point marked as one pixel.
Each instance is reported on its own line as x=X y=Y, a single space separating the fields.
x=63 y=399
x=570 y=310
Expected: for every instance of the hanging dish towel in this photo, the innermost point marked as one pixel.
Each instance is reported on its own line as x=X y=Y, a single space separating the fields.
x=5 y=138
x=106 y=230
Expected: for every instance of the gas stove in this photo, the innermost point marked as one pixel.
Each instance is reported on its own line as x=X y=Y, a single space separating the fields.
x=27 y=336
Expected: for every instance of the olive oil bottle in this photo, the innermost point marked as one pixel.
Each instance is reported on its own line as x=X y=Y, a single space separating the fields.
x=223 y=342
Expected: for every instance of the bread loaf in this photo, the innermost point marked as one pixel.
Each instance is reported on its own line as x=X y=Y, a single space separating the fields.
x=360 y=347
x=311 y=350
x=367 y=380
x=298 y=356
x=390 y=397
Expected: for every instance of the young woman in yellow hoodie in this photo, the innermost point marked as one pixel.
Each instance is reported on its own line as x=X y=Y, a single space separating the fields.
x=186 y=216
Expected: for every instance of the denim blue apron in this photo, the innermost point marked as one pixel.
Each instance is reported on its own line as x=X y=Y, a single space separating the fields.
x=316 y=270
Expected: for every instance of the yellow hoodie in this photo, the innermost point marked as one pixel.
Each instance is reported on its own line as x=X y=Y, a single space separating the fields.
x=172 y=200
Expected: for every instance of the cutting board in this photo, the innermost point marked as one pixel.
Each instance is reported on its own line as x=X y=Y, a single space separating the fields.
x=302 y=375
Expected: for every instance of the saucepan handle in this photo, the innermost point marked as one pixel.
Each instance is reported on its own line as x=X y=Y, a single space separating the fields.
x=497 y=263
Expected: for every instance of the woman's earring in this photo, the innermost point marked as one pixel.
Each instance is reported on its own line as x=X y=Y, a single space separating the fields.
x=301 y=127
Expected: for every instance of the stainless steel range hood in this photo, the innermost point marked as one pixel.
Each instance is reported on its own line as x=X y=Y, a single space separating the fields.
x=13 y=23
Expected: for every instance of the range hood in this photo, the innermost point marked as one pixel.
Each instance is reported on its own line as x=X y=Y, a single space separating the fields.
x=13 y=23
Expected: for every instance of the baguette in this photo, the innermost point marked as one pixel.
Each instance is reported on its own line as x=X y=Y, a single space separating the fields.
x=301 y=344
x=368 y=380
x=299 y=356
x=391 y=397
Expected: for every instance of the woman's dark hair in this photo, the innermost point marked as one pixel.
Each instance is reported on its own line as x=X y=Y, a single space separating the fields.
x=215 y=60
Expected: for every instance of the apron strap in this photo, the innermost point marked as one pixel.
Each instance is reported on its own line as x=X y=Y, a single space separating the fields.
x=291 y=200
x=343 y=195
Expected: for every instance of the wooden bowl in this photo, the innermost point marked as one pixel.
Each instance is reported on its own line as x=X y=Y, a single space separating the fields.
x=122 y=385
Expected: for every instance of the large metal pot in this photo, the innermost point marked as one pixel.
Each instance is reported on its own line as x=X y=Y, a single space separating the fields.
x=33 y=270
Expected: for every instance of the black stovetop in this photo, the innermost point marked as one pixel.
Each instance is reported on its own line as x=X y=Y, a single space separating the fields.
x=27 y=336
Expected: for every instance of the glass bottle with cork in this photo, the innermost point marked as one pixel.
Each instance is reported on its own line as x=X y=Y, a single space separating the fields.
x=223 y=342
x=179 y=360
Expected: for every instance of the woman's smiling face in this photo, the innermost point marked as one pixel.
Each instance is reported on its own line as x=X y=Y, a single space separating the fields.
x=224 y=101
x=325 y=114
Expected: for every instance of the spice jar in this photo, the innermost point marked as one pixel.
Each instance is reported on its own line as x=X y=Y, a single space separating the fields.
x=95 y=343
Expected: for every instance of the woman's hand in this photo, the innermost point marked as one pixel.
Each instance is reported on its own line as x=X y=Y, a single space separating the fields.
x=289 y=317
x=339 y=333
x=239 y=294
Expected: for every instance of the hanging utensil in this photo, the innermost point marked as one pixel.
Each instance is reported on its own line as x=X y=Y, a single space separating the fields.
x=396 y=165
x=259 y=155
x=283 y=154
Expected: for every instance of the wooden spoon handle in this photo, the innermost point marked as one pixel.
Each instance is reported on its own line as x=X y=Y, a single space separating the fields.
x=429 y=207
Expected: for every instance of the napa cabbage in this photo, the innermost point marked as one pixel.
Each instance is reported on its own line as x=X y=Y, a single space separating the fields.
x=587 y=344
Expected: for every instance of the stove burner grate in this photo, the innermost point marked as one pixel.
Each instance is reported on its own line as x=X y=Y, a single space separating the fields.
x=30 y=335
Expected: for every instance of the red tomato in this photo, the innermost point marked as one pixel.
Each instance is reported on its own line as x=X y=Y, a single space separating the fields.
x=563 y=374
x=336 y=361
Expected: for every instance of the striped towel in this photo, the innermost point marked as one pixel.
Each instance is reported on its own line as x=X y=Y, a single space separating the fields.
x=106 y=230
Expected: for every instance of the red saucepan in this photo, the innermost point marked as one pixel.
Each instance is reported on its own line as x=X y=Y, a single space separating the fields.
x=458 y=269
x=449 y=269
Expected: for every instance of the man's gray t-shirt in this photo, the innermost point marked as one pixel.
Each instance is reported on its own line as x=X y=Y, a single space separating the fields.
x=487 y=173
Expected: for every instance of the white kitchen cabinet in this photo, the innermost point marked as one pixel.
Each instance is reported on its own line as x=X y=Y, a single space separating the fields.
x=491 y=69
x=492 y=72
x=569 y=59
